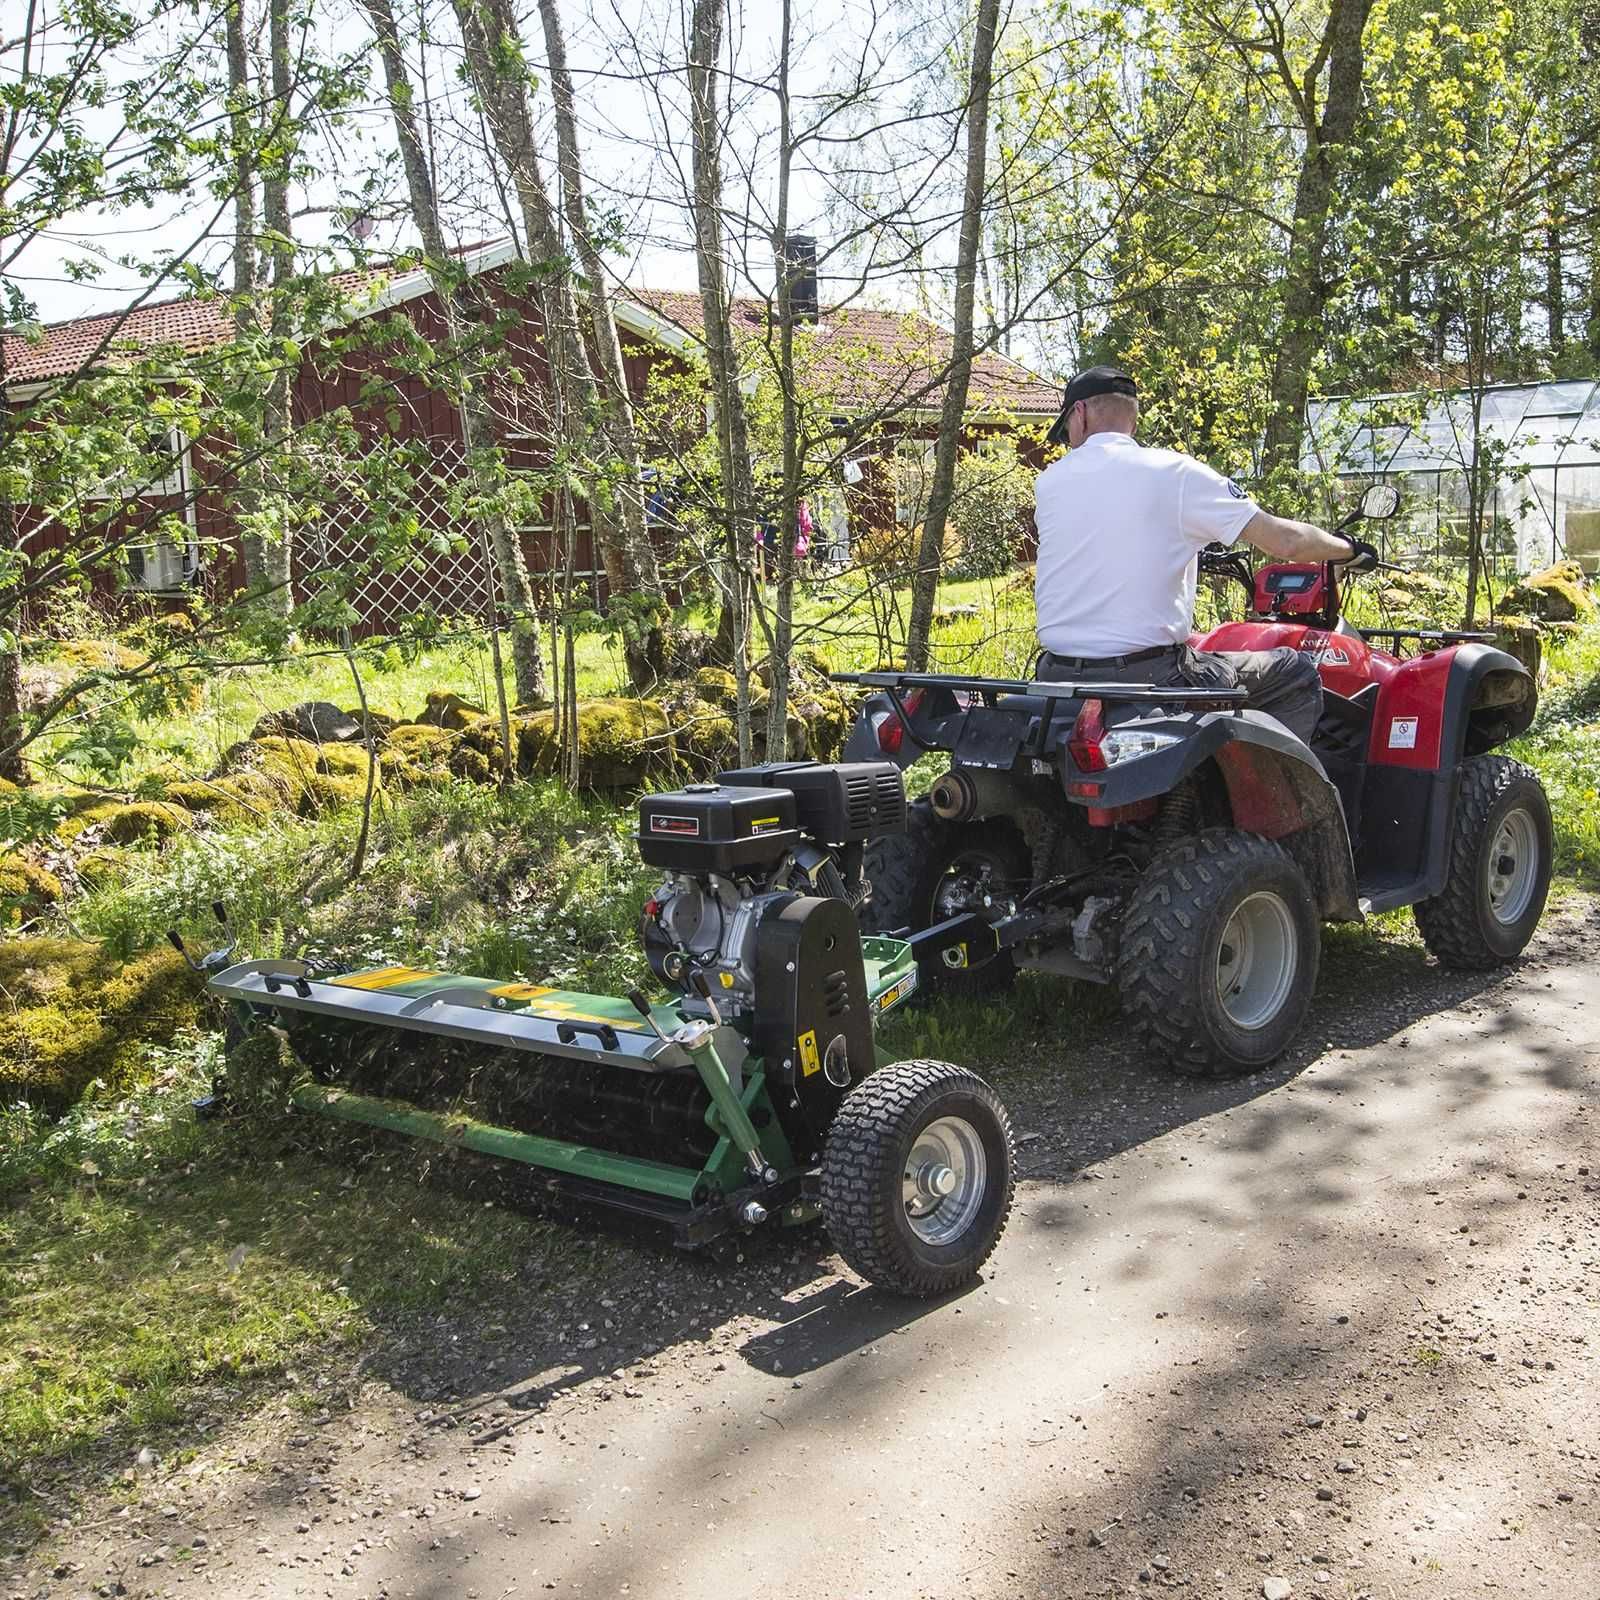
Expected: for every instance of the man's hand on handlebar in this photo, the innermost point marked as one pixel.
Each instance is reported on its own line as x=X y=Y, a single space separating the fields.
x=1363 y=557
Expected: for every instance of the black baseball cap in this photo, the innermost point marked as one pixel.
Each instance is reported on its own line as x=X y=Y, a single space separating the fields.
x=1085 y=386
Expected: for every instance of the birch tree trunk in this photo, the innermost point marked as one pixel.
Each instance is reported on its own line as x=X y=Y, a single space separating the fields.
x=242 y=138
x=477 y=424
x=930 y=551
x=276 y=554
x=738 y=489
x=495 y=52
x=789 y=501
x=1307 y=287
x=638 y=557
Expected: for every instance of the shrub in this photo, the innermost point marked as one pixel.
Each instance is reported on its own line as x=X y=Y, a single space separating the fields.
x=989 y=512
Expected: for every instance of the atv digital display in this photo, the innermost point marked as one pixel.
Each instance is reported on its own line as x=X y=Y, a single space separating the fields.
x=1290 y=582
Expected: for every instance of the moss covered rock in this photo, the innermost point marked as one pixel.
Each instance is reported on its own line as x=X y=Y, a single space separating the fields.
x=1559 y=593
x=25 y=889
x=418 y=754
x=446 y=709
x=277 y=766
x=75 y=1015
x=223 y=800
x=104 y=865
x=129 y=822
x=319 y=721
x=622 y=744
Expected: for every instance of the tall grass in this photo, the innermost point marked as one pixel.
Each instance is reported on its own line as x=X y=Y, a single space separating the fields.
x=528 y=881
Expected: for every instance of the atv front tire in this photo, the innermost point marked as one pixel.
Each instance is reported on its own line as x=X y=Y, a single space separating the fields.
x=917 y=1177
x=1218 y=955
x=937 y=869
x=1499 y=868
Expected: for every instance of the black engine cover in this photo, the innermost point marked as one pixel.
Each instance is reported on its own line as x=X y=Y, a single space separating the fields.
x=813 y=1029
x=836 y=802
x=713 y=827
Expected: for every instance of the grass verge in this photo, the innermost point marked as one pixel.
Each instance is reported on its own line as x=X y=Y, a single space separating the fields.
x=159 y=1273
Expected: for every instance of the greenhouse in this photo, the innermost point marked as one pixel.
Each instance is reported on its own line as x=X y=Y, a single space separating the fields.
x=1541 y=441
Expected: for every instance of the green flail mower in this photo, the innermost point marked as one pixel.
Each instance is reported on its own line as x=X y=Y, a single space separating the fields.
x=753 y=1095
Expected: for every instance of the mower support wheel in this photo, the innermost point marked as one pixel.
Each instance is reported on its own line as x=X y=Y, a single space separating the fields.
x=1218 y=956
x=937 y=869
x=1499 y=868
x=917 y=1177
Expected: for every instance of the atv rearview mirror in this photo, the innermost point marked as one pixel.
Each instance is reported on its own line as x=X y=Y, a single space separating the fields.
x=1380 y=502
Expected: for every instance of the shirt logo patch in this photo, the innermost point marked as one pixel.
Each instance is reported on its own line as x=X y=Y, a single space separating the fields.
x=1235 y=490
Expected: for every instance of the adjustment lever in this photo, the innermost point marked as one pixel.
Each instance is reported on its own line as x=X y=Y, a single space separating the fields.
x=637 y=1000
x=702 y=987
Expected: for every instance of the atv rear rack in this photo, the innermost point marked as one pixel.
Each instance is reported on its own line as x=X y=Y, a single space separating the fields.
x=992 y=688
x=1185 y=696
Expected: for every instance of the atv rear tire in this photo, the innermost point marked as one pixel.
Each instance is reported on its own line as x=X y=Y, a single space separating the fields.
x=1218 y=955
x=1499 y=868
x=921 y=876
x=917 y=1177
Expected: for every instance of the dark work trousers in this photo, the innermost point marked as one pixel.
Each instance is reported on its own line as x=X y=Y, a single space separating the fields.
x=1282 y=682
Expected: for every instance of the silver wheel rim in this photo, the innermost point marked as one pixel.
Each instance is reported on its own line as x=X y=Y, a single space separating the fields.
x=1257 y=960
x=945 y=1176
x=1512 y=867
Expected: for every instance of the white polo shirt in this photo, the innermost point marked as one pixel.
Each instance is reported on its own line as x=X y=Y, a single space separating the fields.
x=1120 y=527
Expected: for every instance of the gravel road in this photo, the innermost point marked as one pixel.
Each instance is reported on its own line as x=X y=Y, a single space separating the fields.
x=1328 y=1331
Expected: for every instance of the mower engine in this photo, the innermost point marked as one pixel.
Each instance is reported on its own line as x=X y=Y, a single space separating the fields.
x=737 y=851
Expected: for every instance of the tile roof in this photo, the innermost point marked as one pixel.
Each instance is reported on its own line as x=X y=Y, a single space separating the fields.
x=873 y=359
x=868 y=359
x=190 y=325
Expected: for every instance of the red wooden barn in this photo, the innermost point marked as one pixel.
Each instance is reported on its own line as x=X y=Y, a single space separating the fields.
x=868 y=363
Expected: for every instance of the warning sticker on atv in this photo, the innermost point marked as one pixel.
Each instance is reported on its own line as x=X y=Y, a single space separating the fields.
x=1403 y=733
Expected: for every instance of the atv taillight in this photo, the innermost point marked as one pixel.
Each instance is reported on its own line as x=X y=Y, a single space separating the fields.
x=890 y=726
x=1087 y=732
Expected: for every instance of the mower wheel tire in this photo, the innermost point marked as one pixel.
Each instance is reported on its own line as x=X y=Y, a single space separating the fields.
x=1501 y=847
x=1218 y=956
x=917 y=1177
x=936 y=870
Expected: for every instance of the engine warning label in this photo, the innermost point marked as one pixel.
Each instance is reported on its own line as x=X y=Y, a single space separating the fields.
x=760 y=825
x=688 y=826
x=1403 y=733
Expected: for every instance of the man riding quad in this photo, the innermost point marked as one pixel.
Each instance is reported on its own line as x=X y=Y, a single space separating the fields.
x=1174 y=815
x=1121 y=526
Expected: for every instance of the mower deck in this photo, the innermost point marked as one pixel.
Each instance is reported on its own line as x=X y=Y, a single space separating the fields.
x=511 y=1035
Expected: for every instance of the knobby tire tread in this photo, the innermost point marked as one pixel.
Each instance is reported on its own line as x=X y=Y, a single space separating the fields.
x=1449 y=922
x=864 y=1136
x=1160 y=944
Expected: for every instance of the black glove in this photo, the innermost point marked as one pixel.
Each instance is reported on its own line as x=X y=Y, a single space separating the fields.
x=1363 y=558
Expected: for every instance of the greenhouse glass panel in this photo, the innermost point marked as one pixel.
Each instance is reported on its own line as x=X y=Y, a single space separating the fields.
x=1578 y=529
x=1544 y=439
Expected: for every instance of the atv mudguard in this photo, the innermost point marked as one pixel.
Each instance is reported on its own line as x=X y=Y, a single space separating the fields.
x=1431 y=715
x=1276 y=787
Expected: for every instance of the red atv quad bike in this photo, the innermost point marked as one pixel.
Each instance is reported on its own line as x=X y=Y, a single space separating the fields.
x=1171 y=842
